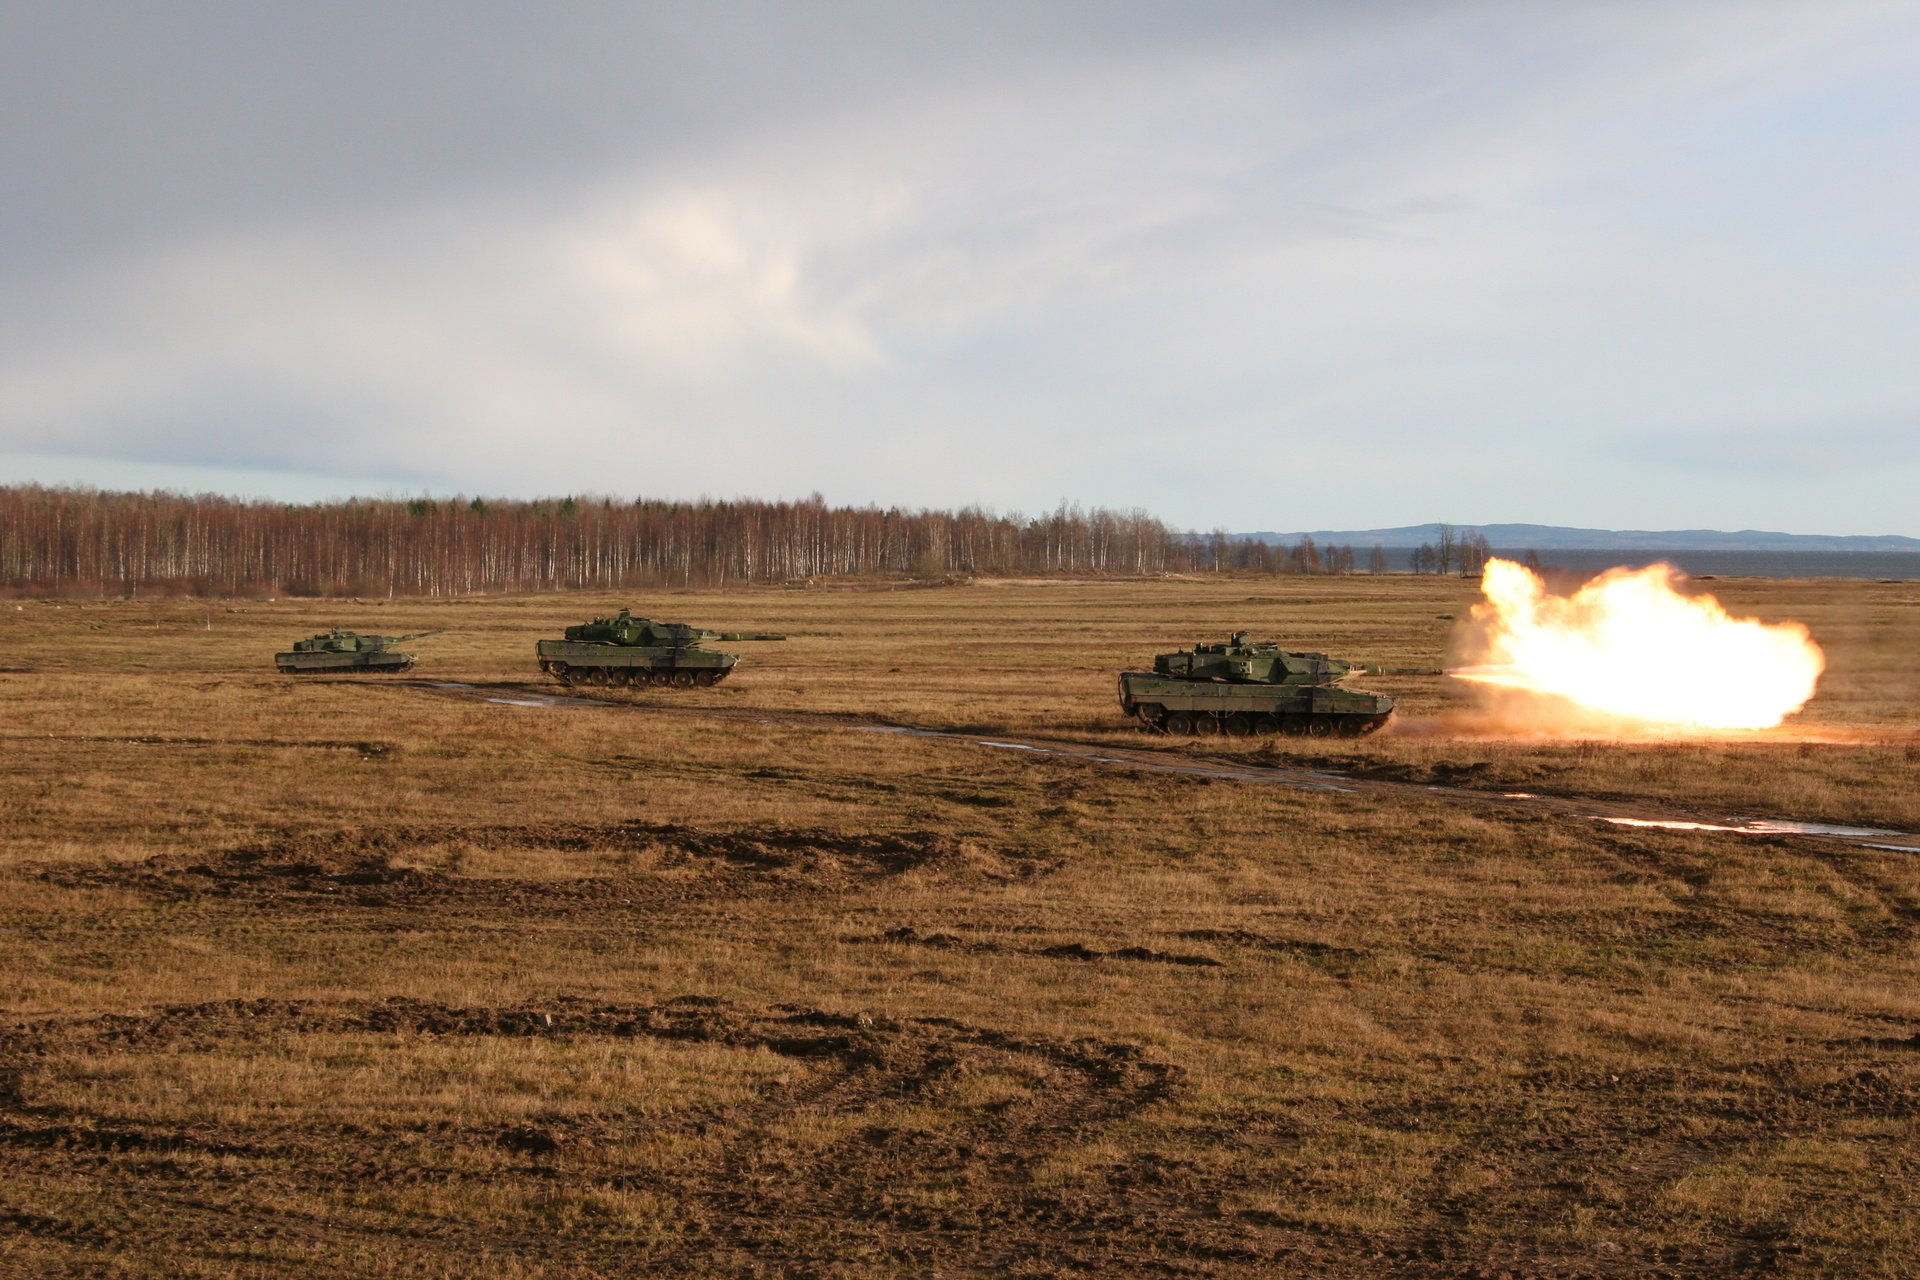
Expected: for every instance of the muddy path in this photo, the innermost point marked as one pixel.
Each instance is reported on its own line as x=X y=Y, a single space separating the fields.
x=1179 y=762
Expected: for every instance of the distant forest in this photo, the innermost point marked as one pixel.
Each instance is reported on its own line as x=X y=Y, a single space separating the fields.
x=65 y=541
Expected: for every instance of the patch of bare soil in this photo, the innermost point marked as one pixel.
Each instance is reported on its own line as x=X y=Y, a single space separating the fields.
x=410 y=866
x=908 y=936
x=1270 y=942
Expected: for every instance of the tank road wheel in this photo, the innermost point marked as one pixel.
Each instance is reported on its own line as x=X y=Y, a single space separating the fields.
x=1238 y=725
x=1352 y=726
x=1179 y=724
x=1319 y=727
x=1266 y=726
x=683 y=679
x=705 y=679
x=621 y=677
x=599 y=678
x=1292 y=726
x=1205 y=725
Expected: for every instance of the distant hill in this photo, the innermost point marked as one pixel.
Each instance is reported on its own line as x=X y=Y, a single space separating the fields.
x=1548 y=537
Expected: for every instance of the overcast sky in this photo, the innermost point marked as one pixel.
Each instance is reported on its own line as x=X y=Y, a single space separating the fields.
x=1265 y=265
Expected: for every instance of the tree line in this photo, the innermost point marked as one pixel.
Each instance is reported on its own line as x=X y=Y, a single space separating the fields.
x=1462 y=551
x=56 y=539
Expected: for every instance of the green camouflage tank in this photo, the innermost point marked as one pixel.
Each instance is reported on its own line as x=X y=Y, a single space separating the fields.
x=347 y=651
x=1246 y=687
x=627 y=651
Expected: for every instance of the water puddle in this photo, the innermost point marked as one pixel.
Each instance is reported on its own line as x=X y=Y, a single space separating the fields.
x=526 y=698
x=1664 y=824
x=1781 y=827
x=1758 y=827
x=1775 y=827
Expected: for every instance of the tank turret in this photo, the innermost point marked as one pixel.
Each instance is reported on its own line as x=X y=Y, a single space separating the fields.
x=625 y=629
x=633 y=651
x=347 y=651
x=1246 y=686
x=1245 y=661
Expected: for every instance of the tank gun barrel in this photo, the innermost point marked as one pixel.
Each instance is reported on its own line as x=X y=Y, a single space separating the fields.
x=745 y=635
x=416 y=635
x=1374 y=669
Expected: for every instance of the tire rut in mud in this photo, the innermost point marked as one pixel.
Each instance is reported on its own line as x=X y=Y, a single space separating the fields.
x=1615 y=1144
x=841 y=1151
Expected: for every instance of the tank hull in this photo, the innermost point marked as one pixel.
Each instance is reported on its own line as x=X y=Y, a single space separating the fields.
x=586 y=662
x=1203 y=707
x=336 y=663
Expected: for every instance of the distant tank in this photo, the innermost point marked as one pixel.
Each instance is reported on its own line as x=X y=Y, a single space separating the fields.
x=338 y=650
x=1248 y=687
x=630 y=651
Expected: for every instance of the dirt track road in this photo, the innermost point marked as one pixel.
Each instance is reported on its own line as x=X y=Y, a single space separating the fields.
x=1178 y=760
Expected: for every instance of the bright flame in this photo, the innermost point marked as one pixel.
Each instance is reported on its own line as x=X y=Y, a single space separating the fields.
x=1628 y=644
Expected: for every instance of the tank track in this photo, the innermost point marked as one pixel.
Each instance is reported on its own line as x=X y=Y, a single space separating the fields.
x=384 y=669
x=1248 y=724
x=636 y=677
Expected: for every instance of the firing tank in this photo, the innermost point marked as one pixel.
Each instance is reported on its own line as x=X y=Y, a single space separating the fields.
x=347 y=651
x=1245 y=687
x=627 y=651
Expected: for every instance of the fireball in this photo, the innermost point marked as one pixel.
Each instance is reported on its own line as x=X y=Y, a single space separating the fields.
x=1628 y=644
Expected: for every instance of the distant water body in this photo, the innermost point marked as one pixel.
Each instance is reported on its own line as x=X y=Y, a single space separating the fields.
x=1901 y=565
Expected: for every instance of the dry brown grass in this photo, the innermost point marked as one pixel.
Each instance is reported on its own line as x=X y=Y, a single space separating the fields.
x=354 y=975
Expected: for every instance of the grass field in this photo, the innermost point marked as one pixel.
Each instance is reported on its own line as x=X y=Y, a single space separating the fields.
x=373 y=979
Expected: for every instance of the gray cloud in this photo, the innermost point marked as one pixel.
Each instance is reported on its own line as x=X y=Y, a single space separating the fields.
x=122 y=124
x=1154 y=254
